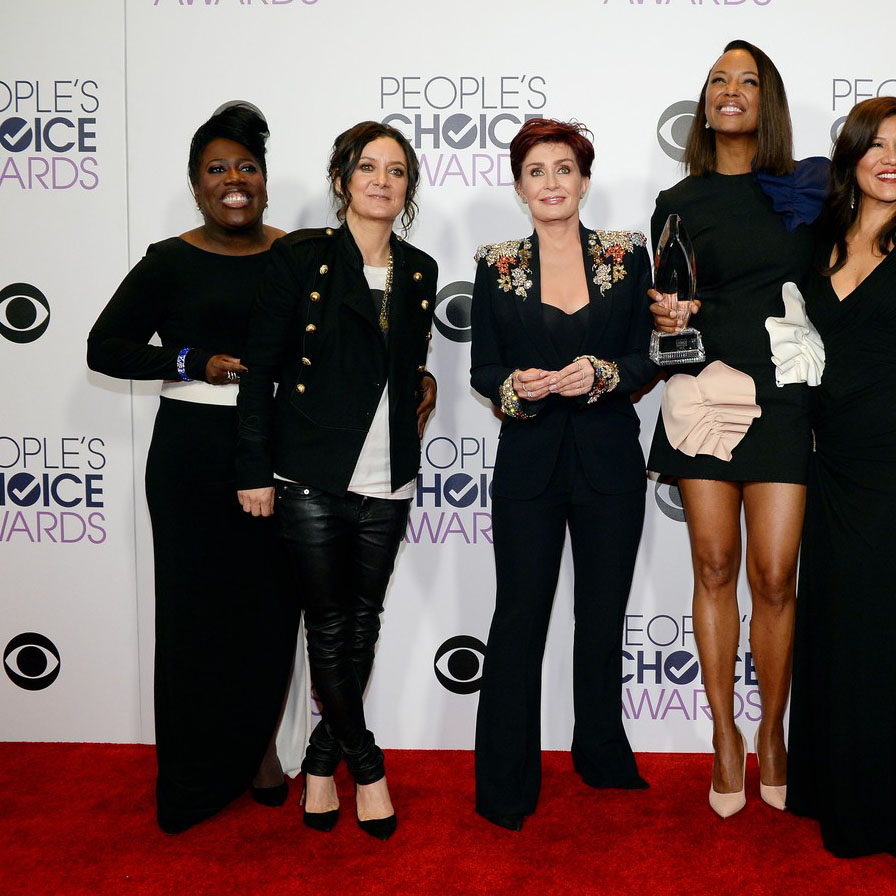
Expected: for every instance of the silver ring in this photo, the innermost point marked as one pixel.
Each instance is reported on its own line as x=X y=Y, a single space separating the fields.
x=231 y=376
x=528 y=394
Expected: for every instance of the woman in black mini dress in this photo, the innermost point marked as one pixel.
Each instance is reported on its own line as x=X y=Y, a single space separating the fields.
x=739 y=150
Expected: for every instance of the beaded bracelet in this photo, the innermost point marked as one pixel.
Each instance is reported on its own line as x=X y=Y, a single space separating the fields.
x=606 y=376
x=181 y=365
x=510 y=401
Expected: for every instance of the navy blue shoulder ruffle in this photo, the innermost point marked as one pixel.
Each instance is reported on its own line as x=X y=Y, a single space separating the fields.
x=798 y=196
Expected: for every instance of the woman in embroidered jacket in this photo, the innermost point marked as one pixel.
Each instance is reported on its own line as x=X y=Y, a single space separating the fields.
x=560 y=327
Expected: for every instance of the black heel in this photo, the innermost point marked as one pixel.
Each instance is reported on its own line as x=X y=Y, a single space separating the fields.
x=381 y=828
x=318 y=821
x=511 y=820
x=271 y=796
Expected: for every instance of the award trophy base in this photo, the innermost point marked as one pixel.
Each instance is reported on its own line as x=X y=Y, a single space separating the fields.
x=684 y=347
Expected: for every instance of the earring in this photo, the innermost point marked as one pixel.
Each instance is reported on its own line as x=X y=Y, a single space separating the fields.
x=852 y=200
x=706 y=124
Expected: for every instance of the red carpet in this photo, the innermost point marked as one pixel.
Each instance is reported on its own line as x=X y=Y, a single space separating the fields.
x=79 y=819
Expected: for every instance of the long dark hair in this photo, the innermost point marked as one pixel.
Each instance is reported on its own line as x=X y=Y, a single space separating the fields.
x=347 y=149
x=845 y=199
x=774 y=152
x=240 y=122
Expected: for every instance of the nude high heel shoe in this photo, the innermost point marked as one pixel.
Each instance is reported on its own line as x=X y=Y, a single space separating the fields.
x=773 y=794
x=728 y=804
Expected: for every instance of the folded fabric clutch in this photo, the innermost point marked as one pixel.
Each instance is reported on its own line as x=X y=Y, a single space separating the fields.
x=711 y=412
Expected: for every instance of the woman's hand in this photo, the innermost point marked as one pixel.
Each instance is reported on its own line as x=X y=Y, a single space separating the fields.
x=427 y=404
x=532 y=384
x=257 y=501
x=222 y=369
x=573 y=380
x=665 y=319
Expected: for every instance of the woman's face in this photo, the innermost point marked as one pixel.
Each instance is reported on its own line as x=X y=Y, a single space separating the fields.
x=379 y=183
x=876 y=170
x=732 y=94
x=550 y=182
x=230 y=191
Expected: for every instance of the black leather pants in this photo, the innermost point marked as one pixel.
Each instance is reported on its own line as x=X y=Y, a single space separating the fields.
x=343 y=552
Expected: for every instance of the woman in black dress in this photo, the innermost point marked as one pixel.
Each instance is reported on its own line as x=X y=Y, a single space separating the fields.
x=224 y=635
x=842 y=763
x=342 y=323
x=560 y=331
x=738 y=147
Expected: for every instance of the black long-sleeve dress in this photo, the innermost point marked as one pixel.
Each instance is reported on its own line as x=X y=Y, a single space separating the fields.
x=225 y=624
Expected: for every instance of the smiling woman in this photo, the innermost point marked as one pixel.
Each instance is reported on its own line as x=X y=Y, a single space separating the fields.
x=224 y=636
x=560 y=330
x=342 y=323
x=842 y=767
x=747 y=246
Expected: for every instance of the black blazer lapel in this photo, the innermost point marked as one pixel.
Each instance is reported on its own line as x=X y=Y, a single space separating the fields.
x=357 y=297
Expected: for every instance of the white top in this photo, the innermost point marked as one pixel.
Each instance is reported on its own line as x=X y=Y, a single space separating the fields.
x=201 y=392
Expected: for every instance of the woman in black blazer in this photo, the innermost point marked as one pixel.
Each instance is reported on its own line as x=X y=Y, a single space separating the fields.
x=342 y=324
x=561 y=327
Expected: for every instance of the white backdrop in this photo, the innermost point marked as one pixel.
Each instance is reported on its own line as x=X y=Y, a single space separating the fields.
x=458 y=77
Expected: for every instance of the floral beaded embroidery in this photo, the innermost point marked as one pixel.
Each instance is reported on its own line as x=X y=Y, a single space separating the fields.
x=608 y=249
x=511 y=258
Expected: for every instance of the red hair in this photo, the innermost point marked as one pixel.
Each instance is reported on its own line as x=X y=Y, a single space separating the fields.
x=549 y=130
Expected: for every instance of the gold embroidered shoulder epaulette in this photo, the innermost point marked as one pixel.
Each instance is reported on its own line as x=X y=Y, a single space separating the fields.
x=491 y=252
x=628 y=240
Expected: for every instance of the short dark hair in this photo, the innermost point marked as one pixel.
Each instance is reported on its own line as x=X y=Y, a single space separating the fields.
x=549 y=130
x=774 y=152
x=346 y=154
x=239 y=122
x=845 y=199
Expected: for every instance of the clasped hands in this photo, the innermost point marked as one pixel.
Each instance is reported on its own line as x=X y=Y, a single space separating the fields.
x=533 y=384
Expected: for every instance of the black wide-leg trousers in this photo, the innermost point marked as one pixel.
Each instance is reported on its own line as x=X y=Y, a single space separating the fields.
x=343 y=550
x=605 y=531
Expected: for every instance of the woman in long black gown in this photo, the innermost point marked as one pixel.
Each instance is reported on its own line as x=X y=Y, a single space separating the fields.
x=224 y=634
x=842 y=760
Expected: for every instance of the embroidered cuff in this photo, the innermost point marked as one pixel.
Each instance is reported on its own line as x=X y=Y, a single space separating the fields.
x=511 y=403
x=606 y=376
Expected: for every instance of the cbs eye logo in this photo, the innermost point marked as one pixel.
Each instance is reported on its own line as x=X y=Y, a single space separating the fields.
x=24 y=312
x=668 y=499
x=458 y=664
x=452 y=311
x=31 y=661
x=673 y=126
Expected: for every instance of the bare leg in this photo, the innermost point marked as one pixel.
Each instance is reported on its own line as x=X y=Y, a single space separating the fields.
x=774 y=518
x=713 y=514
x=320 y=793
x=374 y=801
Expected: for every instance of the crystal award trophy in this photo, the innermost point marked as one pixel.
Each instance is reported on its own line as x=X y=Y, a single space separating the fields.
x=675 y=276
